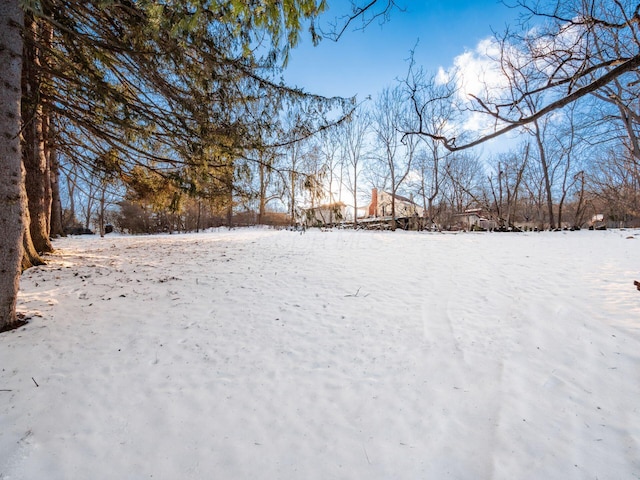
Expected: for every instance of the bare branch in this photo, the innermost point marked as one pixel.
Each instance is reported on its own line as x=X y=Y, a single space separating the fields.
x=450 y=143
x=366 y=13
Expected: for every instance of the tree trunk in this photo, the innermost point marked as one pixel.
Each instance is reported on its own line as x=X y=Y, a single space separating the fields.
x=393 y=209
x=547 y=178
x=436 y=187
x=70 y=218
x=292 y=211
x=30 y=256
x=263 y=192
x=230 y=200
x=35 y=160
x=355 y=196
x=56 y=229
x=199 y=216
x=580 y=208
x=88 y=207
x=102 y=209
x=12 y=200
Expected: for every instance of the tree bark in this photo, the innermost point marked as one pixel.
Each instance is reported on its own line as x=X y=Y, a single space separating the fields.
x=12 y=200
x=30 y=256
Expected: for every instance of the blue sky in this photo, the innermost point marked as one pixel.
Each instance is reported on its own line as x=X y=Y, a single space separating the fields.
x=364 y=62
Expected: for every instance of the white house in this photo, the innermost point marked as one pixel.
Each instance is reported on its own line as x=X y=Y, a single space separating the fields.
x=473 y=219
x=324 y=214
x=380 y=206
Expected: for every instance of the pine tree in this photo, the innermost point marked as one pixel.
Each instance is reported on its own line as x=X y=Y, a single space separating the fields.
x=12 y=201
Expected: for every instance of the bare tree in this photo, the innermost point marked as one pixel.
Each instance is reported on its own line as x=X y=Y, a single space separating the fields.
x=354 y=134
x=520 y=76
x=330 y=150
x=568 y=149
x=432 y=109
x=614 y=187
x=396 y=152
x=505 y=183
x=464 y=179
x=538 y=130
x=333 y=166
x=316 y=173
x=534 y=201
x=293 y=155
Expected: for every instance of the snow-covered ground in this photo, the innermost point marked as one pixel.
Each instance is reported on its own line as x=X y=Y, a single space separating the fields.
x=262 y=354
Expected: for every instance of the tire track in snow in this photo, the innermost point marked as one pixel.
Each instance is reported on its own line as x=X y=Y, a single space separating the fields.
x=457 y=341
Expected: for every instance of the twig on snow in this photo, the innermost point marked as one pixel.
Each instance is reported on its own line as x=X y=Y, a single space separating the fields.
x=356 y=294
x=366 y=454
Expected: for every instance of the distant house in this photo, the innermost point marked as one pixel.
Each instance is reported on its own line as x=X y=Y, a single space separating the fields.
x=408 y=214
x=473 y=219
x=324 y=215
x=380 y=206
x=598 y=222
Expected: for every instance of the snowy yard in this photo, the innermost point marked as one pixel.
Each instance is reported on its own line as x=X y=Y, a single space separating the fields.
x=262 y=354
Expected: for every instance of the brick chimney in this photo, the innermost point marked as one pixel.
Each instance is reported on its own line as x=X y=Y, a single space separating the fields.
x=373 y=206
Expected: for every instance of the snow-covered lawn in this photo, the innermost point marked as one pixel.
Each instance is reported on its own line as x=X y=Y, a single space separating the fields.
x=262 y=354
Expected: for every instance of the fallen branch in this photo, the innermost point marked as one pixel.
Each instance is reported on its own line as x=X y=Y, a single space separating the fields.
x=356 y=294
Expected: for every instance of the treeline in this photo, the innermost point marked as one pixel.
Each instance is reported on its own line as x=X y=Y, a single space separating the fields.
x=160 y=100
x=564 y=96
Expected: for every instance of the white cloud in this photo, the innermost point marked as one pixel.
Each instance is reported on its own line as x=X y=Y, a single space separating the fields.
x=478 y=71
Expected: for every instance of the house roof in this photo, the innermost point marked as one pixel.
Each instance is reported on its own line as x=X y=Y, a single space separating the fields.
x=401 y=198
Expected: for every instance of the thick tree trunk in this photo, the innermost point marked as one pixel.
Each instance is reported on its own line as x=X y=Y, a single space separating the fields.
x=30 y=256
x=12 y=201
x=35 y=160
